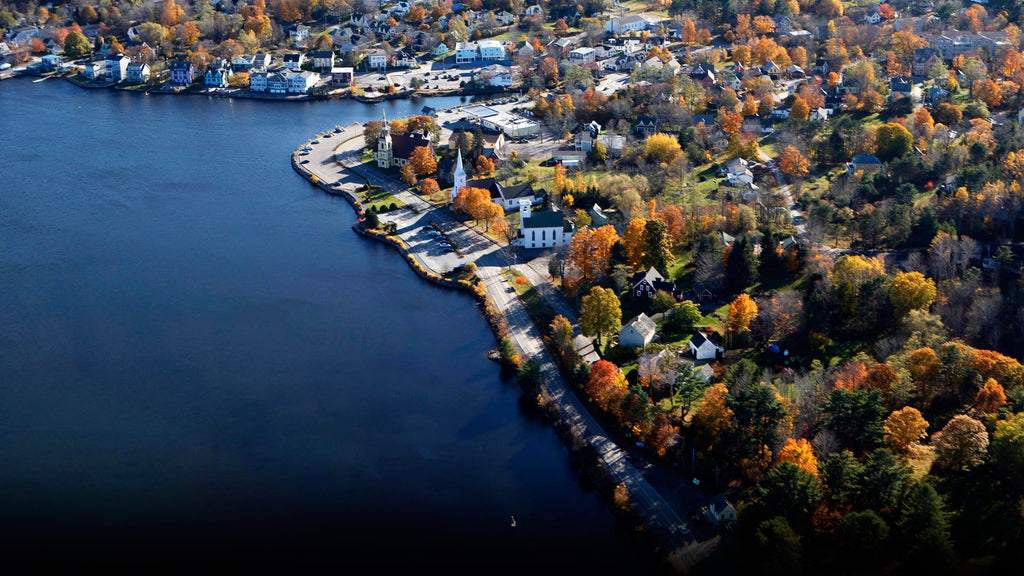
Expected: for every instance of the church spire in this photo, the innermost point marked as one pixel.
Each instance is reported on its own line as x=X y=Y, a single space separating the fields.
x=459 y=176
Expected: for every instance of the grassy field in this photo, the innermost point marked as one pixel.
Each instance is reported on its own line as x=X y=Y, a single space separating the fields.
x=378 y=198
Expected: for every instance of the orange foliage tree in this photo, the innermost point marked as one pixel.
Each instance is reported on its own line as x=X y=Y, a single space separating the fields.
x=589 y=253
x=429 y=187
x=990 y=398
x=800 y=454
x=423 y=161
x=633 y=241
x=794 y=164
x=742 y=311
x=606 y=386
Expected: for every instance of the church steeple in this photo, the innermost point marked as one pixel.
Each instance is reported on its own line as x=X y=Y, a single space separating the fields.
x=458 y=177
x=384 y=153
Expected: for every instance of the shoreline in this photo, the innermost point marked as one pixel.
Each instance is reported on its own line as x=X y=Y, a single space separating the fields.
x=250 y=95
x=599 y=457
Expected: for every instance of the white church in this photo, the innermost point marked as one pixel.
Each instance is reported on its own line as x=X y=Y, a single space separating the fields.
x=542 y=229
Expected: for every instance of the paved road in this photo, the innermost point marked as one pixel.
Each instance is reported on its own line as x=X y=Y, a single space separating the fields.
x=663 y=517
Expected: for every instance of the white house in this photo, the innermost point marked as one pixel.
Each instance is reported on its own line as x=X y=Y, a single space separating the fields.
x=720 y=511
x=258 y=82
x=466 y=52
x=117 y=67
x=293 y=60
x=706 y=346
x=582 y=56
x=505 y=18
x=627 y=24
x=534 y=10
x=495 y=75
x=546 y=229
x=95 y=69
x=491 y=50
x=737 y=172
x=376 y=59
x=138 y=72
x=638 y=332
x=299 y=82
x=300 y=35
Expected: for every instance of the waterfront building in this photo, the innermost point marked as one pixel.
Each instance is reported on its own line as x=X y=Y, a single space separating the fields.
x=393 y=151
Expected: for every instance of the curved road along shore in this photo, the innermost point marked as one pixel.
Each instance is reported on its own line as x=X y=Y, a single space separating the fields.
x=334 y=161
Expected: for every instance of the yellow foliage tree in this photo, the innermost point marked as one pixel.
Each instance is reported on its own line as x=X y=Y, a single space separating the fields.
x=911 y=291
x=904 y=429
x=799 y=453
x=662 y=148
x=742 y=311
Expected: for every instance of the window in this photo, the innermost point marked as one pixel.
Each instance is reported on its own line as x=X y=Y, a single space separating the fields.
x=533 y=235
x=543 y=234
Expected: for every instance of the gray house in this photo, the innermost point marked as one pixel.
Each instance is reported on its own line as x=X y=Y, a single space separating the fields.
x=638 y=332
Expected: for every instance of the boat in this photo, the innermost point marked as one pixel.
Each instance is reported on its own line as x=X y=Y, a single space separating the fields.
x=513 y=521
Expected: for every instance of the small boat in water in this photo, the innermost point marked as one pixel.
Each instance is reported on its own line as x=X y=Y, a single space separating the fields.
x=513 y=521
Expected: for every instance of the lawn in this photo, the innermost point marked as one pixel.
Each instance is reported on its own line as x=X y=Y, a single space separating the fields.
x=379 y=199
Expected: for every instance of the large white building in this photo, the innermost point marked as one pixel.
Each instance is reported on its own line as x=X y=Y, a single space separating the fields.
x=467 y=52
x=511 y=124
x=283 y=81
x=545 y=229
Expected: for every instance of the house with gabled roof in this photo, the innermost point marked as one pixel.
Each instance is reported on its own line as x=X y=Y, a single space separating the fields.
x=646 y=125
x=704 y=75
x=627 y=24
x=720 y=511
x=924 y=60
x=508 y=196
x=183 y=73
x=706 y=345
x=138 y=72
x=865 y=163
x=217 y=77
x=542 y=229
x=638 y=332
x=900 y=86
x=117 y=67
x=293 y=60
x=646 y=284
x=323 y=59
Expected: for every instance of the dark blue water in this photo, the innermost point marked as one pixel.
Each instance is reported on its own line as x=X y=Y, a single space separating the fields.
x=201 y=362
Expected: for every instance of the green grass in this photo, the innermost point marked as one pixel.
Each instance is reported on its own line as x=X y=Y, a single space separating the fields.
x=773 y=281
x=377 y=198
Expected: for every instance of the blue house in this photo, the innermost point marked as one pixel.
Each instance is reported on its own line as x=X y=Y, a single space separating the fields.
x=217 y=78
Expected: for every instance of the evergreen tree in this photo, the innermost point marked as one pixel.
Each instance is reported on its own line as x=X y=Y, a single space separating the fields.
x=740 y=266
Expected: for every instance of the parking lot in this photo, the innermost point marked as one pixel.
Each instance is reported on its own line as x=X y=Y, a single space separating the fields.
x=435 y=76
